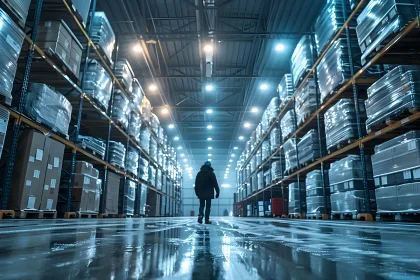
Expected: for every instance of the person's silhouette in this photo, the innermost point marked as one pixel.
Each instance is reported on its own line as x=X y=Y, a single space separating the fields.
x=205 y=263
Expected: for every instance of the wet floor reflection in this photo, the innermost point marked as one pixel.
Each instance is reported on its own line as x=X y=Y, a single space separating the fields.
x=179 y=248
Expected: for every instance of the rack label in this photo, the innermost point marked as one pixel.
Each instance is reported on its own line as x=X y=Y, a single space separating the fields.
x=56 y=162
x=49 y=204
x=31 y=159
x=39 y=154
x=49 y=166
x=31 y=202
x=28 y=183
x=53 y=182
x=406 y=120
x=36 y=174
x=46 y=187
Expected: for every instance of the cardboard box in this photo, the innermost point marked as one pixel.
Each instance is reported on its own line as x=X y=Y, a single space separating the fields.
x=52 y=175
x=29 y=171
x=111 y=192
x=83 y=167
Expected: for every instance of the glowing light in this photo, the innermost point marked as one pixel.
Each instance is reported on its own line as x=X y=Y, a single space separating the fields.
x=209 y=139
x=209 y=87
x=185 y=160
x=241 y=138
x=137 y=48
x=182 y=155
x=254 y=110
x=209 y=111
x=232 y=155
x=235 y=148
x=247 y=125
x=176 y=138
x=263 y=87
x=209 y=127
x=179 y=148
x=209 y=148
x=208 y=48
x=230 y=160
x=225 y=186
x=165 y=111
x=153 y=87
x=209 y=155
x=171 y=126
x=280 y=47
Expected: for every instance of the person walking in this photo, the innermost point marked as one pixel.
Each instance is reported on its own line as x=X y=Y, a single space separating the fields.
x=205 y=185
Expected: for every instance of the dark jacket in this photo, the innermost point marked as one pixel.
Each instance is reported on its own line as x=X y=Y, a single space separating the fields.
x=206 y=183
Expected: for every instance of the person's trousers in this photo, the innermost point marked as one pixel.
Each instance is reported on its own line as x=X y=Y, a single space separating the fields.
x=207 y=203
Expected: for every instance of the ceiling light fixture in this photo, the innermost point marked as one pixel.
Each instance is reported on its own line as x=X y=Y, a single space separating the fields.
x=209 y=155
x=182 y=155
x=280 y=47
x=230 y=160
x=176 y=138
x=228 y=165
x=208 y=48
x=171 y=126
x=165 y=111
x=209 y=159
x=232 y=155
x=209 y=127
x=209 y=139
x=247 y=125
x=137 y=48
x=185 y=160
x=209 y=87
x=153 y=87
x=209 y=148
x=241 y=138
x=209 y=111
x=235 y=148
x=254 y=110
x=179 y=148
x=263 y=87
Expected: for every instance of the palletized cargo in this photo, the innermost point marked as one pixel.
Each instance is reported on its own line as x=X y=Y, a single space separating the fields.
x=102 y=34
x=317 y=193
x=97 y=83
x=301 y=61
x=306 y=101
x=116 y=154
x=290 y=155
x=127 y=197
x=297 y=198
x=288 y=124
x=309 y=147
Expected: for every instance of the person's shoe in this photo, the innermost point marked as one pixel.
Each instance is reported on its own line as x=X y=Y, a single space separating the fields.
x=200 y=219
x=208 y=222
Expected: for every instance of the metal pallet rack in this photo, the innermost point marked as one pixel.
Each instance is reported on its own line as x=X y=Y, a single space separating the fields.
x=348 y=88
x=83 y=101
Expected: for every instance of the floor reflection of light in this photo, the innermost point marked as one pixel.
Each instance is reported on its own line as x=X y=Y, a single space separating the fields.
x=226 y=239
x=186 y=265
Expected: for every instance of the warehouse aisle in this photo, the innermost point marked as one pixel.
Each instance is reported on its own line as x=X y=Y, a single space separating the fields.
x=232 y=248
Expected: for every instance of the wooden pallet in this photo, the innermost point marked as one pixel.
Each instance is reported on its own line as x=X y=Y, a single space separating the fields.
x=84 y=147
x=341 y=145
x=317 y=216
x=398 y=217
x=7 y=214
x=87 y=215
x=32 y=214
x=392 y=119
x=297 y=216
x=352 y=216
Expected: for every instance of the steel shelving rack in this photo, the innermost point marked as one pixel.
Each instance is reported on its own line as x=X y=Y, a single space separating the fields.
x=83 y=101
x=349 y=88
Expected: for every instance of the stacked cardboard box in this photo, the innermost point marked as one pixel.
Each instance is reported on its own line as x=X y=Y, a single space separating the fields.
x=37 y=173
x=86 y=191
x=57 y=38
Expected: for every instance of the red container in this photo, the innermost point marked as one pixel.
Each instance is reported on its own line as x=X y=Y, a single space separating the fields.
x=277 y=207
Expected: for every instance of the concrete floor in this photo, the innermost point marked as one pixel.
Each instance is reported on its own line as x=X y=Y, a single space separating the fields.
x=231 y=248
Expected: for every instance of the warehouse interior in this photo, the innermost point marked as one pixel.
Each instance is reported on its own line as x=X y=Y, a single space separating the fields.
x=307 y=110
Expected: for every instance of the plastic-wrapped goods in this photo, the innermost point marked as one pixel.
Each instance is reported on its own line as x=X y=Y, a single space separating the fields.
x=152 y=175
x=158 y=184
x=154 y=123
x=144 y=169
x=285 y=90
x=253 y=162
x=141 y=198
x=102 y=34
x=329 y=21
x=136 y=95
x=399 y=162
x=308 y=147
x=267 y=178
x=276 y=170
x=349 y=202
x=258 y=133
x=266 y=149
x=96 y=145
x=134 y=125
x=48 y=107
x=315 y=193
x=146 y=108
x=153 y=148
x=403 y=198
x=273 y=109
x=258 y=157
x=82 y=8
x=288 y=124
x=341 y=122
x=275 y=136
x=97 y=83
x=354 y=3
x=379 y=20
x=254 y=183
x=290 y=154
x=4 y=120
x=264 y=122
x=260 y=180
x=334 y=68
x=301 y=59
x=120 y=112
x=124 y=73
x=160 y=157
x=127 y=197
x=132 y=160
x=395 y=93
x=116 y=154
x=297 y=198
x=145 y=138
x=20 y=8
x=347 y=174
x=305 y=101
x=11 y=40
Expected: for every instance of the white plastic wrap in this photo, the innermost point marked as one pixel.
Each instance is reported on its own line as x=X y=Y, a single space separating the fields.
x=132 y=160
x=275 y=137
x=266 y=149
x=120 y=111
x=127 y=197
x=273 y=109
x=144 y=168
x=288 y=124
x=102 y=34
x=297 y=198
x=276 y=170
x=116 y=154
x=134 y=125
x=290 y=154
x=11 y=40
x=305 y=101
x=152 y=175
x=404 y=198
x=124 y=73
x=155 y=123
x=97 y=83
x=48 y=107
x=145 y=138
x=315 y=193
x=308 y=147
x=301 y=59
x=146 y=109
x=136 y=96
x=285 y=90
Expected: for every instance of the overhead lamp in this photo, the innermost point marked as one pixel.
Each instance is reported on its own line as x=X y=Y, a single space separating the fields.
x=179 y=148
x=263 y=87
x=208 y=48
x=235 y=148
x=228 y=165
x=247 y=125
x=165 y=111
x=209 y=139
x=209 y=111
x=176 y=138
x=182 y=155
x=227 y=168
x=137 y=48
x=209 y=127
x=209 y=148
x=231 y=160
x=241 y=138
x=153 y=87
x=185 y=160
x=209 y=159
x=225 y=186
x=209 y=155
x=254 y=110
x=280 y=47
x=209 y=87
x=171 y=126
x=232 y=155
